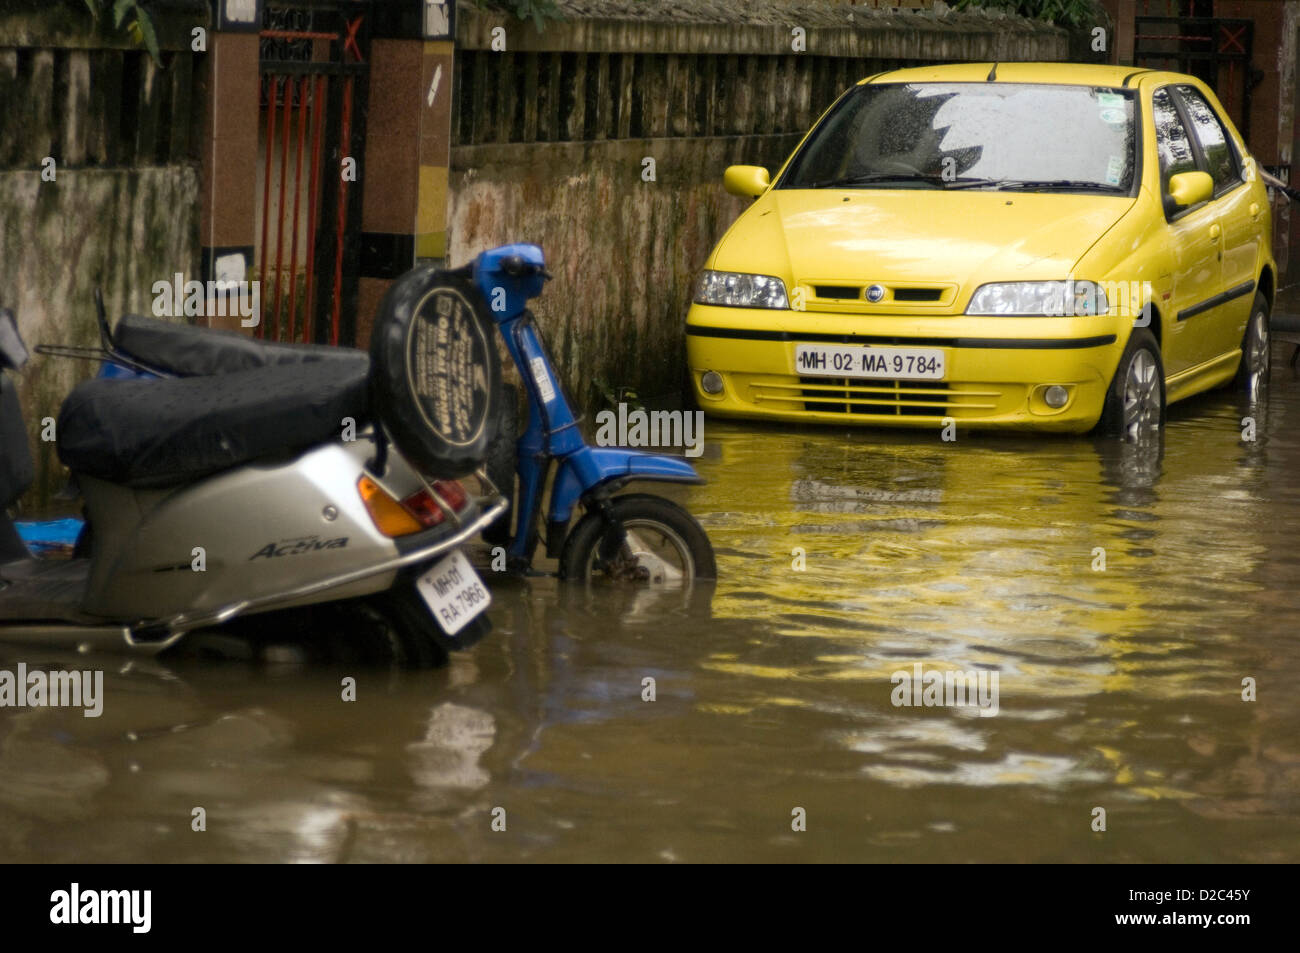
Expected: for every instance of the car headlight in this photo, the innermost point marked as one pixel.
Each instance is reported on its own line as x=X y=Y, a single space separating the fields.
x=1039 y=299
x=738 y=290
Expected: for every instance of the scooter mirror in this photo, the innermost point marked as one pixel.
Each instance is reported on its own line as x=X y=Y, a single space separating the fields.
x=13 y=352
x=516 y=267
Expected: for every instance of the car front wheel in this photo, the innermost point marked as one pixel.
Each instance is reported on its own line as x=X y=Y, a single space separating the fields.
x=1252 y=372
x=1135 y=402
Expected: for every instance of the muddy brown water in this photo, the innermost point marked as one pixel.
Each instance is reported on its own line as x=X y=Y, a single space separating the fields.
x=1118 y=688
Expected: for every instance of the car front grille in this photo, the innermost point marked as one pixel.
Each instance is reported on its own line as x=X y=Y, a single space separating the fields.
x=901 y=295
x=876 y=398
x=918 y=294
x=837 y=292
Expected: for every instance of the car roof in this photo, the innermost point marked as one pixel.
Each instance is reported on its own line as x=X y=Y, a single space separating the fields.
x=1068 y=74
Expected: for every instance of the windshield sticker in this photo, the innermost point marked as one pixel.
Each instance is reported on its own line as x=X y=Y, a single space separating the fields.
x=1114 y=167
x=1110 y=107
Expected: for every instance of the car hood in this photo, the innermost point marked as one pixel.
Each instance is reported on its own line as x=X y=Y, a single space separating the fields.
x=932 y=237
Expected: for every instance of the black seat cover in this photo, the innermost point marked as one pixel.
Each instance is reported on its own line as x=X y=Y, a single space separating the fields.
x=152 y=433
x=189 y=351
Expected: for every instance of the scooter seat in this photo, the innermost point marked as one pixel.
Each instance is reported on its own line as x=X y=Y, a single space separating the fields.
x=155 y=433
x=189 y=351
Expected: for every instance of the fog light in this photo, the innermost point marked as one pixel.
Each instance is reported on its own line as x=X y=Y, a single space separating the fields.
x=1056 y=396
x=711 y=382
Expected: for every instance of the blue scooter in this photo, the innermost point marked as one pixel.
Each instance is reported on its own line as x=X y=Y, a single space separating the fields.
x=635 y=537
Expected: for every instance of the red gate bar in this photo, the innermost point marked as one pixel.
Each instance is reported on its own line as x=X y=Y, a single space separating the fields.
x=314 y=187
x=1171 y=36
x=343 y=214
x=284 y=183
x=297 y=189
x=271 y=83
x=296 y=35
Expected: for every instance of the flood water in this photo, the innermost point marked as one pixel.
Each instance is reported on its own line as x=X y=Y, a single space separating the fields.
x=1118 y=688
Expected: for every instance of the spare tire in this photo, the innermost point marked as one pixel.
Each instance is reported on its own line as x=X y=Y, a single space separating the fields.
x=434 y=371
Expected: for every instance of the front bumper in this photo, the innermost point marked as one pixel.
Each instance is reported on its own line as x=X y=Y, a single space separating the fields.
x=996 y=369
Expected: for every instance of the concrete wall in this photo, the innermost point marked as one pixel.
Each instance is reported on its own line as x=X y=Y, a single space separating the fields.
x=122 y=208
x=624 y=252
x=550 y=137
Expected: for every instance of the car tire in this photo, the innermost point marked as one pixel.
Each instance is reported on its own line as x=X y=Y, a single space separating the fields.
x=502 y=461
x=435 y=373
x=1256 y=351
x=1135 y=401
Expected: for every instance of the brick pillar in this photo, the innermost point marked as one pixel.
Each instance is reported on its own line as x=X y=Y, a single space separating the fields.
x=1124 y=30
x=229 y=145
x=435 y=150
x=404 y=167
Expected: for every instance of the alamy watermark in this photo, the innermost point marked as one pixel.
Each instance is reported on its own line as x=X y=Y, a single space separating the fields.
x=651 y=428
x=55 y=689
x=224 y=297
x=77 y=906
x=945 y=689
x=1127 y=299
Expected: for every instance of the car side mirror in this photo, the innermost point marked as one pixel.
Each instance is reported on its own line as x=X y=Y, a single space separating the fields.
x=13 y=352
x=1190 y=188
x=747 y=181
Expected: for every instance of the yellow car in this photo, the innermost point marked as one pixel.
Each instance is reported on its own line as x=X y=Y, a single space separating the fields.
x=1032 y=245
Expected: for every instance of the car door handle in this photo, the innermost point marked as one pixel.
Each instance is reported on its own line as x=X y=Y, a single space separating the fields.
x=1214 y=233
x=1254 y=210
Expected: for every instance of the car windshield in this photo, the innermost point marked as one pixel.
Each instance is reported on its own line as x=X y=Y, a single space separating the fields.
x=1027 y=136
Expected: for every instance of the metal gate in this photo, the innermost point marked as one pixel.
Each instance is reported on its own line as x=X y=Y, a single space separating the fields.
x=313 y=68
x=1216 y=50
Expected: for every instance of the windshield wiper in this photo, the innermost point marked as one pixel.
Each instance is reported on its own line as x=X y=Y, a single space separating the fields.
x=866 y=177
x=964 y=182
x=1028 y=184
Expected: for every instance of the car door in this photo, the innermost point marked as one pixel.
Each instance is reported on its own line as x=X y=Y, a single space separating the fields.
x=1241 y=216
x=1195 y=238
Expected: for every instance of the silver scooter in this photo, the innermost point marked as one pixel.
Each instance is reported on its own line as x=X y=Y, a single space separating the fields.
x=228 y=477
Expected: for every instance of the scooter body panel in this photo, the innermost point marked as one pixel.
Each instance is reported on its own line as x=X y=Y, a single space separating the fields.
x=263 y=529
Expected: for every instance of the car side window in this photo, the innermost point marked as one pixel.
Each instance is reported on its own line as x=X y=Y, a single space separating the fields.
x=1172 y=144
x=1216 y=146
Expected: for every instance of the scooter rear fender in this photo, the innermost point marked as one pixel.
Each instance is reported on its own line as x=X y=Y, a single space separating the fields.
x=594 y=467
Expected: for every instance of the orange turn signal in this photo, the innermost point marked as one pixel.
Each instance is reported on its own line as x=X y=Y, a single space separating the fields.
x=390 y=517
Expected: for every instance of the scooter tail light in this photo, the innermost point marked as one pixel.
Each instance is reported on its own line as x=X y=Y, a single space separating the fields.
x=425 y=508
x=389 y=516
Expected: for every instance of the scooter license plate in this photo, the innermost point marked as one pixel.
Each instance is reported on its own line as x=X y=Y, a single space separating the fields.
x=454 y=592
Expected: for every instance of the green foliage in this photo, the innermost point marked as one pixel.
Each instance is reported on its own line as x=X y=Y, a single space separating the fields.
x=131 y=16
x=1066 y=12
x=613 y=396
x=538 y=10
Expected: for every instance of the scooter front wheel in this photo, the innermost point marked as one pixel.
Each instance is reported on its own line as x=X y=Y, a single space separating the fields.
x=664 y=546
